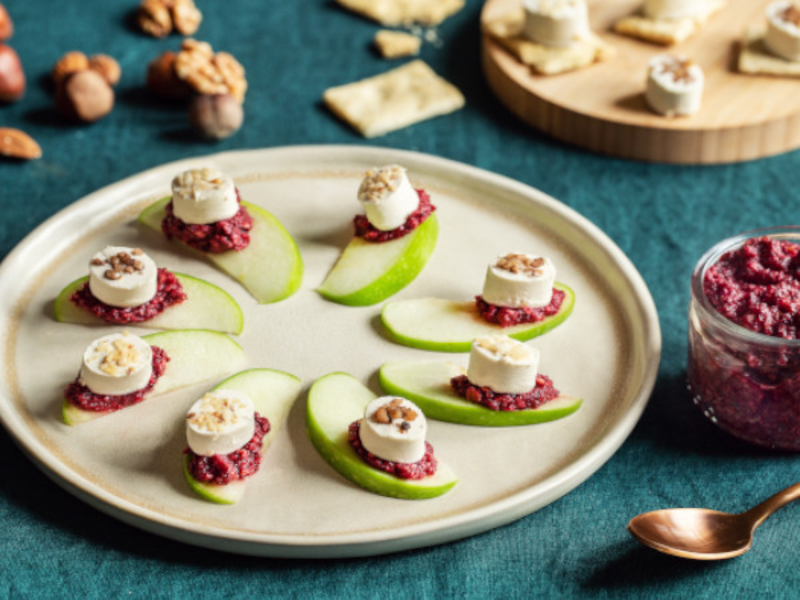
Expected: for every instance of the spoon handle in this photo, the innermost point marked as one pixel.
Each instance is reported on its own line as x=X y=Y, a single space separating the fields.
x=758 y=513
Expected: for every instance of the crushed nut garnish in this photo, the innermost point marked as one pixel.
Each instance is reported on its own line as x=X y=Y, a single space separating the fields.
x=378 y=182
x=120 y=358
x=679 y=69
x=501 y=345
x=121 y=263
x=216 y=412
x=519 y=263
x=791 y=14
x=393 y=410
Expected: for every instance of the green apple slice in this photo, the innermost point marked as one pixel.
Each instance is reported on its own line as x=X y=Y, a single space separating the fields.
x=196 y=355
x=367 y=272
x=206 y=306
x=450 y=325
x=270 y=268
x=273 y=393
x=428 y=385
x=335 y=401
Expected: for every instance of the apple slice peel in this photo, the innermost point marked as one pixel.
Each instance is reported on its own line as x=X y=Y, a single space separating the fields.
x=450 y=325
x=427 y=383
x=335 y=401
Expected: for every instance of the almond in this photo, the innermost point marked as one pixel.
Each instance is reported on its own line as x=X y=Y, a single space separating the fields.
x=18 y=144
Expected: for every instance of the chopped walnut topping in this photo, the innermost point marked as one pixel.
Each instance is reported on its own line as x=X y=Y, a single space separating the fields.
x=395 y=410
x=500 y=345
x=379 y=182
x=120 y=358
x=791 y=14
x=679 y=68
x=216 y=412
x=519 y=263
x=120 y=263
x=209 y=73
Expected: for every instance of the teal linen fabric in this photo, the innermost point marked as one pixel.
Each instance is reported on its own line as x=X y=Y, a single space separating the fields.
x=663 y=217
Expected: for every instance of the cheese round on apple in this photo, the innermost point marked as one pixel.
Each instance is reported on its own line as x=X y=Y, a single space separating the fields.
x=270 y=267
x=335 y=401
x=272 y=394
x=427 y=383
x=195 y=355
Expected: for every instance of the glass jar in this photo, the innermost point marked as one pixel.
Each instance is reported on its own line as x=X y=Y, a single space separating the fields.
x=748 y=383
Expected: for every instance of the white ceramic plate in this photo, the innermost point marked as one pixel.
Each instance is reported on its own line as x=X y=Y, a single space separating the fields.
x=129 y=464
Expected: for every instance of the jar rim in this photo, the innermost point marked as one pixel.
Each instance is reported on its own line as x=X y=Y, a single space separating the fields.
x=711 y=257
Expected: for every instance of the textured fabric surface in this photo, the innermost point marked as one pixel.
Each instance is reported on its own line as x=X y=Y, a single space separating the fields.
x=663 y=218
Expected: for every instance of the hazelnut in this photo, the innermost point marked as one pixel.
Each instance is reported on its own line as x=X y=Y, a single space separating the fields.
x=12 y=78
x=70 y=63
x=85 y=96
x=107 y=67
x=215 y=117
x=162 y=79
x=6 y=26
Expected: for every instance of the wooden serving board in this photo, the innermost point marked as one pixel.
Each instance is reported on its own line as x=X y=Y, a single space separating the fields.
x=602 y=107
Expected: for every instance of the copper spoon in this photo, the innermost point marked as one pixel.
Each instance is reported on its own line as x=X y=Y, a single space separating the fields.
x=705 y=534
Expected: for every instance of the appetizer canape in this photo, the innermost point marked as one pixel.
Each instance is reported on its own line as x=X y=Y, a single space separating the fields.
x=230 y=428
x=520 y=298
x=377 y=443
x=122 y=369
x=502 y=386
x=674 y=86
x=125 y=287
x=392 y=244
x=242 y=239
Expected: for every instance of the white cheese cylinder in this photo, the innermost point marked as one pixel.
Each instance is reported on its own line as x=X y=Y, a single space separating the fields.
x=220 y=422
x=503 y=364
x=394 y=428
x=674 y=85
x=117 y=364
x=203 y=196
x=519 y=280
x=123 y=277
x=558 y=23
x=673 y=9
x=783 y=30
x=388 y=197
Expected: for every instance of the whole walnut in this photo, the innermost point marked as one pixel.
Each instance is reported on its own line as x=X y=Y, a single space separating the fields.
x=215 y=116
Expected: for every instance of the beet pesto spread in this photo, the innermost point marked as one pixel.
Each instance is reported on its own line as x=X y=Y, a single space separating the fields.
x=418 y=470
x=81 y=396
x=542 y=393
x=364 y=229
x=168 y=293
x=507 y=316
x=214 y=238
x=221 y=469
x=757 y=286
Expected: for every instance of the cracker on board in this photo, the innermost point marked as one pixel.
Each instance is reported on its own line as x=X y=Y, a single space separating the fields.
x=666 y=31
x=547 y=60
x=754 y=58
x=394 y=44
x=393 y=100
x=394 y=13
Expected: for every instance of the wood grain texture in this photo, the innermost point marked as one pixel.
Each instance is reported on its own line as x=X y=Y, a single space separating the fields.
x=602 y=107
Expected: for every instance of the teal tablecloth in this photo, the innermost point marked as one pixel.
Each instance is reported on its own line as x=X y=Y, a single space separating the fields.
x=663 y=218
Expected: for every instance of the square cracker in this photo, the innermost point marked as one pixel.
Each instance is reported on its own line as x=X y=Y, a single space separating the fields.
x=547 y=60
x=394 y=13
x=754 y=57
x=666 y=31
x=393 y=100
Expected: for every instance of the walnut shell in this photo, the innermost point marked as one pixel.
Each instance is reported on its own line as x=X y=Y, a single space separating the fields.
x=162 y=79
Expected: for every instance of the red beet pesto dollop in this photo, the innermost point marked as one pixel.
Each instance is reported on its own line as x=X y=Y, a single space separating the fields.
x=221 y=469
x=364 y=229
x=543 y=392
x=81 y=396
x=169 y=292
x=214 y=238
x=507 y=316
x=757 y=286
x=419 y=470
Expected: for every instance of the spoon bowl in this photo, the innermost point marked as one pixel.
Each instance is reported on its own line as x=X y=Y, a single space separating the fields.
x=705 y=534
